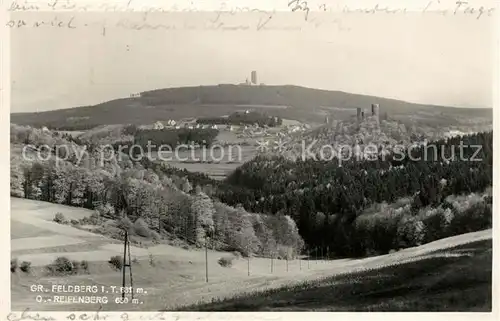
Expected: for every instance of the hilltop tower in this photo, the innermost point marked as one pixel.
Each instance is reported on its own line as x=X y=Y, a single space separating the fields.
x=253 y=77
x=375 y=110
x=376 y=113
x=358 y=114
x=327 y=120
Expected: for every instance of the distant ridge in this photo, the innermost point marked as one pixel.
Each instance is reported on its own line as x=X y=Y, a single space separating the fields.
x=175 y=103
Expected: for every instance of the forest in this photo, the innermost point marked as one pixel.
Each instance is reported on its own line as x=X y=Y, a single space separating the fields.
x=360 y=208
x=125 y=136
x=327 y=200
x=119 y=188
x=239 y=118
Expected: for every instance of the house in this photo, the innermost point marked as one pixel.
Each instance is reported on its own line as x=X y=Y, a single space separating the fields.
x=214 y=127
x=45 y=129
x=158 y=125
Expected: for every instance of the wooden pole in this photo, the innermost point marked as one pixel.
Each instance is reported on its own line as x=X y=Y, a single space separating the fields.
x=308 y=258
x=124 y=262
x=130 y=270
x=272 y=263
x=206 y=258
x=186 y=229
x=248 y=259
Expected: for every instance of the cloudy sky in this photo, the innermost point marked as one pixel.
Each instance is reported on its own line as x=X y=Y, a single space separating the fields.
x=425 y=58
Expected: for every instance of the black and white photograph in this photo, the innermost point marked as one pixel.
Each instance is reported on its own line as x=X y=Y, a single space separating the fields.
x=291 y=156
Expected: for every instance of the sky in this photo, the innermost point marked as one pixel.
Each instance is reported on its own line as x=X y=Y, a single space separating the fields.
x=424 y=58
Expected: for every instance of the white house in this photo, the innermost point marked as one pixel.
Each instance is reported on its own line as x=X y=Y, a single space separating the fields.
x=214 y=127
x=158 y=125
x=45 y=129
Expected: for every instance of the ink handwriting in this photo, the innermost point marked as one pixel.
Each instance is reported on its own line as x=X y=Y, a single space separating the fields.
x=221 y=19
x=300 y=5
x=26 y=315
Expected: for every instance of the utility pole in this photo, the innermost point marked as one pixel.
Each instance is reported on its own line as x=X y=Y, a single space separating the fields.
x=287 y=262
x=272 y=263
x=328 y=252
x=185 y=229
x=126 y=245
x=130 y=270
x=248 y=259
x=316 y=254
x=124 y=264
x=300 y=264
x=159 y=223
x=206 y=257
x=308 y=258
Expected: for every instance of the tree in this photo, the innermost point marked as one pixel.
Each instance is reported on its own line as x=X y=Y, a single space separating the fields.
x=203 y=211
x=242 y=235
x=185 y=185
x=265 y=235
x=16 y=180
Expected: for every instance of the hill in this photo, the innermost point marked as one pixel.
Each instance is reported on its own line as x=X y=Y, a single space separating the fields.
x=290 y=102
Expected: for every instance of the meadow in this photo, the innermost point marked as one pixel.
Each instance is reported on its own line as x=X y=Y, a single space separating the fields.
x=175 y=277
x=451 y=280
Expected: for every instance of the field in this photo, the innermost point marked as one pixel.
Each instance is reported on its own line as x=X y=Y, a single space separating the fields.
x=216 y=162
x=173 y=277
x=458 y=279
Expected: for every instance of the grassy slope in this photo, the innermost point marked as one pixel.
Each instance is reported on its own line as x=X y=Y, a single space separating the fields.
x=177 y=103
x=439 y=283
x=178 y=277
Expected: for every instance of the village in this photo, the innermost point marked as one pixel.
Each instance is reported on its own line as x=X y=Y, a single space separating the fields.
x=230 y=133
